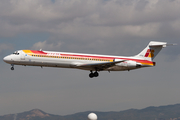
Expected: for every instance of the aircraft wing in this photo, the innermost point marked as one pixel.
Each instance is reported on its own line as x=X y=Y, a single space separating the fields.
x=100 y=66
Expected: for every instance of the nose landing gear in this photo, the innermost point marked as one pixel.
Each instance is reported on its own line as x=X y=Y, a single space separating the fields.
x=12 y=67
x=95 y=74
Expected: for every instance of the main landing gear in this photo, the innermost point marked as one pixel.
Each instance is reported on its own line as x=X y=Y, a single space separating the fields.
x=95 y=74
x=12 y=67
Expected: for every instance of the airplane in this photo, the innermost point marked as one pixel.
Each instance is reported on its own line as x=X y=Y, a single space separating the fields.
x=92 y=62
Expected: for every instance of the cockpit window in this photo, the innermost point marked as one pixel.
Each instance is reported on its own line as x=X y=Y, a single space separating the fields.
x=16 y=53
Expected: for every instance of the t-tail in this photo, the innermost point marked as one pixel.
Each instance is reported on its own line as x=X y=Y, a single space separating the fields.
x=153 y=48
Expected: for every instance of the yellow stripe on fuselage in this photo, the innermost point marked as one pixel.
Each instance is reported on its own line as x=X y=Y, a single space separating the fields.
x=28 y=52
x=150 y=64
x=76 y=58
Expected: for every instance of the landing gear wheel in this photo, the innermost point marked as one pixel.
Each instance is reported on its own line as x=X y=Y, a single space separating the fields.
x=91 y=75
x=96 y=74
x=12 y=68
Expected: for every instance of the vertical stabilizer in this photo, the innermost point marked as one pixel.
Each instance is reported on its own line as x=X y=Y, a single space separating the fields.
x=153 y=48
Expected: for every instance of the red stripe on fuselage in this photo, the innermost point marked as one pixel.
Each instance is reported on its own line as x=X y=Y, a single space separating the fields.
x=107 y=58
x=95 y=57
x=87 y=56
x=38 y=52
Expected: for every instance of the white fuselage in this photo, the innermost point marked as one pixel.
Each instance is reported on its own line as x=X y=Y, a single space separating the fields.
x=70 y=60
x=92 y=62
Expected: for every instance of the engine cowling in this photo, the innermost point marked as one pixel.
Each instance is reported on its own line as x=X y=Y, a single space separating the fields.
x=130 y=64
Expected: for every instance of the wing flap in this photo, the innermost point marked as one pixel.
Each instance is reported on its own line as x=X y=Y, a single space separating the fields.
x=100 y=66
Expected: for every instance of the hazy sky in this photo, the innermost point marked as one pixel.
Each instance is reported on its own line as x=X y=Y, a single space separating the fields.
x=116 y=27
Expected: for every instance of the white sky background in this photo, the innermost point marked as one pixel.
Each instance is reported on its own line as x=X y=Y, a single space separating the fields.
x=116 y=27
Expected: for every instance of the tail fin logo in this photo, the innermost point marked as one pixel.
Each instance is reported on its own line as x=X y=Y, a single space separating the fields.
x=149 y=53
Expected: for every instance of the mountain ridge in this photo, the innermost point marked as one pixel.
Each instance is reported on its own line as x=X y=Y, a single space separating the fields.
x=168 y=112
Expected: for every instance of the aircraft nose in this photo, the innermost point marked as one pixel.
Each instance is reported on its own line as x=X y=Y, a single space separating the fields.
x=7 y=59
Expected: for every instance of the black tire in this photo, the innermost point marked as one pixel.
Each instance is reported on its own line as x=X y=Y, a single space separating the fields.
x=91 y=75
x=96 y=74
x=12 y=68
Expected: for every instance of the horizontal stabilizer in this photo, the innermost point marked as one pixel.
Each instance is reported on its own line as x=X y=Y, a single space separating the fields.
x=159 y=44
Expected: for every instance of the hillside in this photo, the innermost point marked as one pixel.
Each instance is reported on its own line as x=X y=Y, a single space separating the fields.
x=169 y=112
